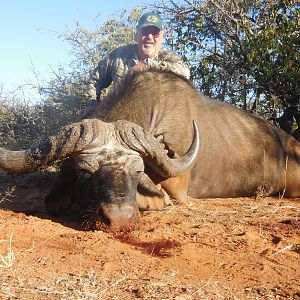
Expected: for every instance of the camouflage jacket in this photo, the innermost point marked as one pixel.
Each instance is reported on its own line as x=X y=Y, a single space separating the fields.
x=116 y=65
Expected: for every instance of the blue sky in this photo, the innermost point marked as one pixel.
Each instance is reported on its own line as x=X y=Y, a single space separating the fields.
x=27 y=40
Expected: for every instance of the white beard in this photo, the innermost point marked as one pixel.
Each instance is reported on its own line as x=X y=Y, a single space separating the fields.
x=150 y=52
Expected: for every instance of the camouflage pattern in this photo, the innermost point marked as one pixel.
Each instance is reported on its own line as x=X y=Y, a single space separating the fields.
x=117 y=64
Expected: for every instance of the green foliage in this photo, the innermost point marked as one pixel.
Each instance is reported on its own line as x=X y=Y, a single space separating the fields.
x=90 y=46
x=243 y=52
x=20 y=122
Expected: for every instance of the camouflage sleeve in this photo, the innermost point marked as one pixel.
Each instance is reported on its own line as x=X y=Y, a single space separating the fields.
x=171 y=61
x=101 y=76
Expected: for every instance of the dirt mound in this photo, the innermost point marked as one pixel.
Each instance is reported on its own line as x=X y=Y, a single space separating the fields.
x=238 y=248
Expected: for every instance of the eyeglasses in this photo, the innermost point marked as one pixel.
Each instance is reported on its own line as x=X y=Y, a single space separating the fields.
x=154 y=31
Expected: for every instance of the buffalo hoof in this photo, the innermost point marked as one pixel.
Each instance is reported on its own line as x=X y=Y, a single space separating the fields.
x=153 y=202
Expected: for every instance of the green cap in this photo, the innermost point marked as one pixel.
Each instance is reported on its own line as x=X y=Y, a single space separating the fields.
x=150 y=19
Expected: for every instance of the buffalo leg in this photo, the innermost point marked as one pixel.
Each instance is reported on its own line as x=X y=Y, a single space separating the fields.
x=292 y=171
x=149 y=195
x=177 y=187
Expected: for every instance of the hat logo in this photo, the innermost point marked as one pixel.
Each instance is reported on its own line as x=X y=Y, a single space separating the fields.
x=152 y=19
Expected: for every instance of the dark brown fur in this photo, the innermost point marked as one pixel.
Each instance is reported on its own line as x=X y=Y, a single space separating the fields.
x=240 y=152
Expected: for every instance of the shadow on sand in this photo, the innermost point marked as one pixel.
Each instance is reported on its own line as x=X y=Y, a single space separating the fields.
x=25 y=193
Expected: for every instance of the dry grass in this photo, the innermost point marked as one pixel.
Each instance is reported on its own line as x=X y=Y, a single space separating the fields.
x=6 y=261
x=8 y=194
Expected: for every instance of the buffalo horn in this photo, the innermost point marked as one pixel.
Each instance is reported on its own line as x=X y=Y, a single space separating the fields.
x=136 y=138
x=72 y=139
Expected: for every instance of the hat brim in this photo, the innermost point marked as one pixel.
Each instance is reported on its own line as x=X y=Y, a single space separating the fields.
x=150 y=24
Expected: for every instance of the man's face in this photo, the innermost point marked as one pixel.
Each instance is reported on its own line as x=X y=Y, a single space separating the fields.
x=149 y=41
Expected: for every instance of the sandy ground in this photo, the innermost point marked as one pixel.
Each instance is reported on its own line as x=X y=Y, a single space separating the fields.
x=238 y=248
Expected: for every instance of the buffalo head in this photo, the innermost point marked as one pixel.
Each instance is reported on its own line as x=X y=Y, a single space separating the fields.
x=108 y=161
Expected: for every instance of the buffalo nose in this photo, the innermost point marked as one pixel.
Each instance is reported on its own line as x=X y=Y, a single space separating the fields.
x=119 y=218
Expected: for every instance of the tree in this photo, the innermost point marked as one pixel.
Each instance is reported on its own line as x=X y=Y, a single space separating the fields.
x=243 y=52
x=89 y=47
x=71 y=87
x=22 y=122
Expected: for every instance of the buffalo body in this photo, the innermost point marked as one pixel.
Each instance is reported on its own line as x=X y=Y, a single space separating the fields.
x=139 y=147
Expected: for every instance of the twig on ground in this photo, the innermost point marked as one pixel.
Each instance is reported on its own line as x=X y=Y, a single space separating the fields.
x=209 y=280
x=288 y=247
x=8 y=194
x=128 y=275
x=8 y=259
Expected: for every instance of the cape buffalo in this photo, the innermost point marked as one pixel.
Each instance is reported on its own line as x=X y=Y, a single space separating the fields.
x=141 y=145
